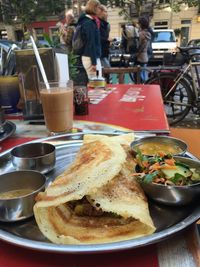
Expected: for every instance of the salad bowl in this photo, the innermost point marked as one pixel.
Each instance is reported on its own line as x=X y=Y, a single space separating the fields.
x=175 y=187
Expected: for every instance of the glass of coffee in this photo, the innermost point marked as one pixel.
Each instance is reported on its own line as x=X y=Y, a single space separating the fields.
x=57 y=105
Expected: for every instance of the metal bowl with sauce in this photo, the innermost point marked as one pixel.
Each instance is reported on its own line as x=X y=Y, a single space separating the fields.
x=18 y=190
x=152 y=145
x=175 y=195
x=34 y=156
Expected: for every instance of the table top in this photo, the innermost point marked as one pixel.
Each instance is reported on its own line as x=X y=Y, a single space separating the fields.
x=137 y=107
x=181 y=249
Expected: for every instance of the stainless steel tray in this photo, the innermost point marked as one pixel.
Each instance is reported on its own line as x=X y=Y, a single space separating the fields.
x=9 y=128
x=168 y=220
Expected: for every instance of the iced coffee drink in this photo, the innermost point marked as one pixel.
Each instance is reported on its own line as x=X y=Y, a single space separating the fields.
x=57 y=104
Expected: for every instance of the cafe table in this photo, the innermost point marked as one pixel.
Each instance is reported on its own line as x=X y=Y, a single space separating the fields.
x=121 y=109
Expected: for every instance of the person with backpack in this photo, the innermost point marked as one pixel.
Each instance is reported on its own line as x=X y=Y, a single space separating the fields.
x=67 y=30
x=131 y=35
x=123 y=44
x=88 y=30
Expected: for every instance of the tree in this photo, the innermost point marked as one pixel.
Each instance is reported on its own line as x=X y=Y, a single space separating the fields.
x=27 y=11
x=143 y=6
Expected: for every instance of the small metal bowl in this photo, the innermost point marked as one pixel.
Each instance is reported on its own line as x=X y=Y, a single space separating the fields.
x=34 y=156
x=166 y=140
x=174 y=195
x=18 y=190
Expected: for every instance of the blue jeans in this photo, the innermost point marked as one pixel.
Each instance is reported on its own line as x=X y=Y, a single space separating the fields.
x=143 y=73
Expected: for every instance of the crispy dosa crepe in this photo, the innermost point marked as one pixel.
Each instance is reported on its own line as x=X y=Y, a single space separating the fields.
x=96 y=163
x=124 y=139
x=109 y=211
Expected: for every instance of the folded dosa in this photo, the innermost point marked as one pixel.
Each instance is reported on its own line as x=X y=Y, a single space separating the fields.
x=96 y=163
x=120 y=199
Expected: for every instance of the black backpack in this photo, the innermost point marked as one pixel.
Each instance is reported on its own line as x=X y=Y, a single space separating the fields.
x=77 y=41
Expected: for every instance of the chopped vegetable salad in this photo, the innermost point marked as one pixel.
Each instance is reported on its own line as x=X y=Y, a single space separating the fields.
x=164 y=169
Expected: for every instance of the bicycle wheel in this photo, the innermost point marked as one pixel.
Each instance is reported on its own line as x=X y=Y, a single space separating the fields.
x=177 y=97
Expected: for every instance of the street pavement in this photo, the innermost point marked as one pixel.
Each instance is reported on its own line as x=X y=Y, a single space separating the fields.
x=191 y=121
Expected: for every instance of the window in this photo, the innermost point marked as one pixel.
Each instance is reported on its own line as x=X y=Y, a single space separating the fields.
x=3 y=34
x=39 y=33
x=161 y=25
x=186 y=21
x=53 y=31
x=164 y=1
x=163 y=36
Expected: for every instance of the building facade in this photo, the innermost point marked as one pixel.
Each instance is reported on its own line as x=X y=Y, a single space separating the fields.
x=186 y=22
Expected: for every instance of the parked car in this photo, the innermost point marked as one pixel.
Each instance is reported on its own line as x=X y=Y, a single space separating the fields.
x=164 y=41
x=7 y=60
x=194 y=42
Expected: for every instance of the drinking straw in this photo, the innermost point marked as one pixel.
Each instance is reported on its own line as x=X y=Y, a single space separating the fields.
x=39 y=61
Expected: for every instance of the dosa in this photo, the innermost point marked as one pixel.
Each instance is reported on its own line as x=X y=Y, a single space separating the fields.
x=96 y=200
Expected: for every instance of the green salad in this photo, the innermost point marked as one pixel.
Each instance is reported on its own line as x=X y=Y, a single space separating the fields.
x=164 y=169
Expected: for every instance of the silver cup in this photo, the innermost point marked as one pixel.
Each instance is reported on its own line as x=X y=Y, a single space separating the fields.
x=34 y=156
x=19 y=207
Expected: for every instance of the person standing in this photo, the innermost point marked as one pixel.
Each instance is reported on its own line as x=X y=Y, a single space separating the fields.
x=67 y=30
x=90 y=25
x=130 y=37
x=123 y=39
x=150 y=49
x=144 y=41
x=104 y=35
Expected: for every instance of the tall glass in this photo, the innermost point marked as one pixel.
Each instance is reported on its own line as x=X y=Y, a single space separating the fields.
x=57 y=104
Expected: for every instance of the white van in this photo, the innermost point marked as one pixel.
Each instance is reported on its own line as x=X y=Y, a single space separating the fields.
x=163 y=41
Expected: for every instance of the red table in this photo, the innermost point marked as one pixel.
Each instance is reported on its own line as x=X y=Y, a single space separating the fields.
x=145 y=114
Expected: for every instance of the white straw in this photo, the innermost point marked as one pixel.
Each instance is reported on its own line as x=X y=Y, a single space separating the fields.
x=39 y=61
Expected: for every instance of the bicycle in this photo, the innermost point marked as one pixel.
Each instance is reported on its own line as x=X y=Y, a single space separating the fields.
x=179 y=83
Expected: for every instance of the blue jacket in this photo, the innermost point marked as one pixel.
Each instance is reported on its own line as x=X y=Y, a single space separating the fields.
x=91 y=36
x=104 y=34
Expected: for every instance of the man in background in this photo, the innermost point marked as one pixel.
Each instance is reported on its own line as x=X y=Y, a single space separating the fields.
x=104 y=35
x=67 y=30
x=130 y=38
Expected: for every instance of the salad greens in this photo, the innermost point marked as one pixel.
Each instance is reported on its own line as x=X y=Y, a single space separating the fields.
x=164 y=169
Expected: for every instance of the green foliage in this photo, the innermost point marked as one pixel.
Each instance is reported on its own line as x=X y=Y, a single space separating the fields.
x=22 y=10
x=72 y=59
x=27 y=11
x=139 y=5
x=55 y=43
x=177 y=32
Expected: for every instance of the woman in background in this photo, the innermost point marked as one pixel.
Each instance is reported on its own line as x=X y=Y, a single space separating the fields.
x=144 y=41
x=90 y=26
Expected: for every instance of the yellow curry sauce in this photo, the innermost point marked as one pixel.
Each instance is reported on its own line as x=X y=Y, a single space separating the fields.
x=15 y=193
x=153 y=148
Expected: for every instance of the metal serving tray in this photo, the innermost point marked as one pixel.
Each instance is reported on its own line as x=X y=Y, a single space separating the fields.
x=168 y=220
